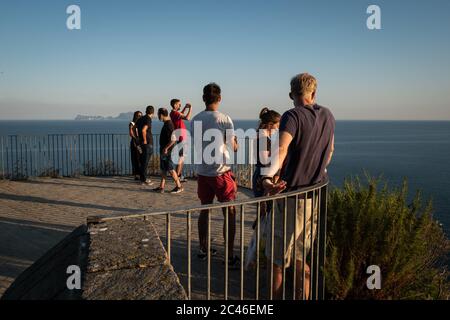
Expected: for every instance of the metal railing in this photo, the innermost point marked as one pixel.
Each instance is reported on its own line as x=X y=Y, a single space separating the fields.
x=66 y=155
x=315 y=256
x=109 y=154
x=73 y=155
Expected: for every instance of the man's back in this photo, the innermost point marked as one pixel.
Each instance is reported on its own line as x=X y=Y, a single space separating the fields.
x=140 y=124
x=211 y=120
x=312 y=129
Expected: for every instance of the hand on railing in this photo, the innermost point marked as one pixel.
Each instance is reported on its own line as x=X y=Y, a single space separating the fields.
x=271 y=188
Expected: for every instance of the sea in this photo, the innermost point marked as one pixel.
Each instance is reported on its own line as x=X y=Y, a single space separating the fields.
x=418 y=151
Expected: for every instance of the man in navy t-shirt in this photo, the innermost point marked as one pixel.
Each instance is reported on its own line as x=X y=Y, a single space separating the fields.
x=305 y=149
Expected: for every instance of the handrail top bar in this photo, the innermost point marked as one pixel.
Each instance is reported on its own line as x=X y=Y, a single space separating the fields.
x=118 y=216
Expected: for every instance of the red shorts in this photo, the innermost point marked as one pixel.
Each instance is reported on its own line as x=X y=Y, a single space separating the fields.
x=223 y=187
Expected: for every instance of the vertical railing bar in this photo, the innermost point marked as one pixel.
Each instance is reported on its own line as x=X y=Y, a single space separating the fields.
x=30 y=153
x=304 y=247
x=65 y=138
x=258 y=222
x=242 y=250
x=189 y=254
x=317 y=246
x=294 y=275
x=208 y=278
x=6 y=171
x=21 y=155
x=284 y=249
x=311 y=277
x=3 y=158
x=323 y=244
x=116 y=169
x=168 y=235
x=226 y=253
x=272 y=244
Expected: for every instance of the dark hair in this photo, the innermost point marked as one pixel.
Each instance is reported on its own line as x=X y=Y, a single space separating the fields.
x=163 y=112
x=267 y=116
x=150 y=110
x=211 y=93
x=136 y=116
x=173 y=102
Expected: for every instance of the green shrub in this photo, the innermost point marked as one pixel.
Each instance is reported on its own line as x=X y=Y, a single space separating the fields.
x=370 y=224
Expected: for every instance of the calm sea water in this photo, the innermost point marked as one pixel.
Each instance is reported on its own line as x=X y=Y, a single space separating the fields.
x=416 y=150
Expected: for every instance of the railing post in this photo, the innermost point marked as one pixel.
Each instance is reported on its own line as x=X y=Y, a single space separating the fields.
x=272 y=245
x=312 y=264
x=208 y=249
x=285 y=204
x=189 y=255
x=242 y=250
x=226 y=253
x=323 y=240
x=305 y=199
x=168 y=236
x=258 y=223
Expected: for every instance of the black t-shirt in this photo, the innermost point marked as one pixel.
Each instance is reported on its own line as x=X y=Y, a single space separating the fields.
x=166 y=135
x=140 y=124
x=312 y=129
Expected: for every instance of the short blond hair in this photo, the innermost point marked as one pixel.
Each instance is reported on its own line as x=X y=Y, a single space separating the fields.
x=303 y=84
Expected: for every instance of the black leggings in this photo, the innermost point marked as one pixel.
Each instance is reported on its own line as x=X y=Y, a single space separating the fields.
x=134 y=159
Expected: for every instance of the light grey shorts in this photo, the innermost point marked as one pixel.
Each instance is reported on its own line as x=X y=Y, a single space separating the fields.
x=296 y=230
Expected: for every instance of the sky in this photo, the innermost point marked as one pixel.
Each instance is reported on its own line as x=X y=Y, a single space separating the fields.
x=130 y=54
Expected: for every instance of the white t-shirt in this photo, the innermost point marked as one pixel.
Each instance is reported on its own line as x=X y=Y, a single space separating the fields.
x=213 y=154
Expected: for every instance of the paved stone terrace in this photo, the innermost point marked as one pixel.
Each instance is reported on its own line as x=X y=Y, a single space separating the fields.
x=36 y=214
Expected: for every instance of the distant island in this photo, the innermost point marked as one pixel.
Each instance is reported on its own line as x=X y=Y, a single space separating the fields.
x=122 y=116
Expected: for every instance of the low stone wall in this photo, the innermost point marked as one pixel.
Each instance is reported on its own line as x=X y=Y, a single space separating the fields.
x=121 y=259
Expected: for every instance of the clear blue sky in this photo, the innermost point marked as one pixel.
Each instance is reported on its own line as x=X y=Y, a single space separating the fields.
x=129 y=54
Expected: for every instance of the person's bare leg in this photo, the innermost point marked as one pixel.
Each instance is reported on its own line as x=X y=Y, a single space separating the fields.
x=299 y=280
x=180 y=166
x=163 y=180
x=175 y=178
x=231 y=229
x=203 y=229
x=277 y=289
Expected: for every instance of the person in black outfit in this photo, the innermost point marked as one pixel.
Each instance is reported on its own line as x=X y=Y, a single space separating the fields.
x=167 y=140
x=135 y=154
x=144 y=131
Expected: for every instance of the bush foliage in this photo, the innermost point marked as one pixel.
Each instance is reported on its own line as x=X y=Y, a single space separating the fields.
x=371 y=224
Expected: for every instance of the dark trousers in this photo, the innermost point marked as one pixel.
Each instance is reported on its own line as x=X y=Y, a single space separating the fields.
x=134 y=159
x=147 y=151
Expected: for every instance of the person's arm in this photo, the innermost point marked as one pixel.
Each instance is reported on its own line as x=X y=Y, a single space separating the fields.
x=268 y=184
x=131 y=131
x=144 y=134
x=170 y=145
x=229 y=127
x=331 y=151
x=188 y=115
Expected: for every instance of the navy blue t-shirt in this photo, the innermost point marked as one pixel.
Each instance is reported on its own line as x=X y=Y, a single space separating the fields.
x=140 y=124
x=312 y=129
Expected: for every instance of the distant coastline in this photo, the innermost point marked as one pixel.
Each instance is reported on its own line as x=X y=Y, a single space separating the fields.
x=121 y=116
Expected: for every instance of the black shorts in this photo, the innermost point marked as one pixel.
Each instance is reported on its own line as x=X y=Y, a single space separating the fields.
x=165 y=163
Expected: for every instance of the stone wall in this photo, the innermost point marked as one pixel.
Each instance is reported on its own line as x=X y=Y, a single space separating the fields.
x=120 y=259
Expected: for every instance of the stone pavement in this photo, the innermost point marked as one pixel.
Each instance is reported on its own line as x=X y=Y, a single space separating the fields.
x=36 y=214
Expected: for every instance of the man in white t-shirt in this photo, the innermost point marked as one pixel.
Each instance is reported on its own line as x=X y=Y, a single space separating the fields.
x=214 y=141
